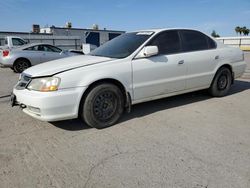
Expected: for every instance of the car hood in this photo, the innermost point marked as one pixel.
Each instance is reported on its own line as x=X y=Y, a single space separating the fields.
x=61 y=65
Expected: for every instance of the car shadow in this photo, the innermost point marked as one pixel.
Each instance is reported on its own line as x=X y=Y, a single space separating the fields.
x=144 y=109
x=239 y=86
x=71 y=125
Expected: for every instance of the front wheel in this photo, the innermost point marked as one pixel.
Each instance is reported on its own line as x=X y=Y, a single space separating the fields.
x=221 y=83
x=20 y=65
x=103 y=106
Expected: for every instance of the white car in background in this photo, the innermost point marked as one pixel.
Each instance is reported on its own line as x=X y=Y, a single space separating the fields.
x=132 y=68
x=29 y=55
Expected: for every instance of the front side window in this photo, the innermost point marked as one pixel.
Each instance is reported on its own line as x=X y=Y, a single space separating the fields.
x=168 y=42
x=53 y=49
x=193 y=41
x=123 y=45
x=41 y=48
x=18 y=42
x=48 y=48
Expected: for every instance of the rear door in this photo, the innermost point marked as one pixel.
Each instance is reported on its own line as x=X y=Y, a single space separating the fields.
x=201 y=57
x=161 y=74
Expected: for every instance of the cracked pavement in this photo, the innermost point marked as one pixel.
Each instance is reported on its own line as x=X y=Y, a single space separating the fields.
x=191 y=140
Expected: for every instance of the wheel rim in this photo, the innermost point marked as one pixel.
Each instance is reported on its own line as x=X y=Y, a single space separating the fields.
x=222 y=82
x=105 y=105
x=22 y=65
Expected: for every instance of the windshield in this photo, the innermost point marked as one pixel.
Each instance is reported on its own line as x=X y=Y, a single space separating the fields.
x=122 y=46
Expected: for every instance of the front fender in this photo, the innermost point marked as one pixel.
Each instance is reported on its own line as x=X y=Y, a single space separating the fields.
x=85 y=76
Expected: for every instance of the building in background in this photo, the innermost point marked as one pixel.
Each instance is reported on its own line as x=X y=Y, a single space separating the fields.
x=243 y=42
x=35 y=28
x=64 y=37
x=88 y=36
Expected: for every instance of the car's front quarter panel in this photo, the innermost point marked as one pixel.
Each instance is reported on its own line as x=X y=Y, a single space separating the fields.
x=119 y=70
x=84 y=76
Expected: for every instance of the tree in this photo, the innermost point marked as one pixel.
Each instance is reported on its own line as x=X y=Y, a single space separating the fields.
x=245 y=30
x=95 y=27
x=68 y=25
x=241 y=30
x=214 y=34
x=237 y=29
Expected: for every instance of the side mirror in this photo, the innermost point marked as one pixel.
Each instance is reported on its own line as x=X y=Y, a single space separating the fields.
x=148 y=51
x=63 y=52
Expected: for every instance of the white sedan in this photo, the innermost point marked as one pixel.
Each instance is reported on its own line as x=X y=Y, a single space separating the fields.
x=132 y=68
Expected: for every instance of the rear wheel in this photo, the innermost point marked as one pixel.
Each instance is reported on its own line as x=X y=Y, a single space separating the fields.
x=20 y=65
x=221 y=83
x=103 y=106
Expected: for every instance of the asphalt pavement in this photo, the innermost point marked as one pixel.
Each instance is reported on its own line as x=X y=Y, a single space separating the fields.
x=191 y=140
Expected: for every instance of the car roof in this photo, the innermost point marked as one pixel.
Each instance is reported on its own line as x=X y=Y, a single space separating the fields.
x=157 y=30
x=31 y=44
x=168 y=29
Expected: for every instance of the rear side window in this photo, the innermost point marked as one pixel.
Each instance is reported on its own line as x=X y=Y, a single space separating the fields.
x=54 y=49
x=32 y=48
x=48 y=48
x=211 y=43
x=168 y=42
x=194 y=41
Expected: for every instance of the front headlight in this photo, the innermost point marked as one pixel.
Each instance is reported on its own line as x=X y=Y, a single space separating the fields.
x=44 y=84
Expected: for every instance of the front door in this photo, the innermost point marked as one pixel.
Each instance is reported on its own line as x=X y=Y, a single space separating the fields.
x=161 y=74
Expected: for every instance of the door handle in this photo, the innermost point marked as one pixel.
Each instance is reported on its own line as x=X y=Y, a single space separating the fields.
x=181 y=62
x=217 y=57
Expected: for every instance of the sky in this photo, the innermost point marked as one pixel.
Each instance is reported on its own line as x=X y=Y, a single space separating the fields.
x=128 y=15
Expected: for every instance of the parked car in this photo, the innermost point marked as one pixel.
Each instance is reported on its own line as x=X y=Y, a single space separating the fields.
x=26 y=56
x=132 y=68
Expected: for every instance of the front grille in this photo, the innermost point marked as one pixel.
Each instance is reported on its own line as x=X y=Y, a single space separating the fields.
x=23 y=81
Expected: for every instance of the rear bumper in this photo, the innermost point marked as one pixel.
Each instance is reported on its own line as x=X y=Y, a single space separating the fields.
x=6 y=62
x=50 y=106
x=5 y=66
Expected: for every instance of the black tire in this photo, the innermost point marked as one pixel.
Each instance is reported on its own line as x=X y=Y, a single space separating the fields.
x=222 y=82
x=20 y=65
x=103 y=106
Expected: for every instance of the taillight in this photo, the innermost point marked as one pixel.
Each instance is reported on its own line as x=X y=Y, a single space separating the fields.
x=6 y=53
